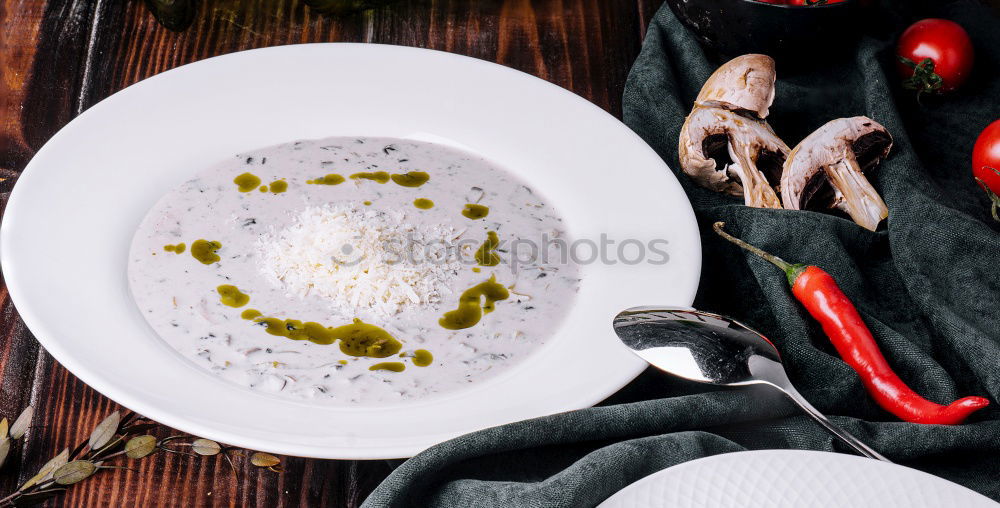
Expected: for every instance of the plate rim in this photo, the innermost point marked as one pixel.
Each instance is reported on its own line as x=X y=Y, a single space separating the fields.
x=109 y=389
x=665 y=473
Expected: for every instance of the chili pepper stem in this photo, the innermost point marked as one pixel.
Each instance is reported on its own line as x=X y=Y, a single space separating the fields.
x=792 y=271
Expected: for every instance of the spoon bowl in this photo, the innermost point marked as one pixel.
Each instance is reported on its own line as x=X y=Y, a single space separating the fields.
x=713 y=349
x=696 y=345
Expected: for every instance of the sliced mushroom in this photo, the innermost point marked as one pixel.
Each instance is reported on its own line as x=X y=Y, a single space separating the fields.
x=727 y=152
x=826 y=170
x=725 y=145
x=745 y=83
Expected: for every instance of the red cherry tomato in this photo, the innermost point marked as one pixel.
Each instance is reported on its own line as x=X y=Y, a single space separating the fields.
x=986 y=163
x=935 y=55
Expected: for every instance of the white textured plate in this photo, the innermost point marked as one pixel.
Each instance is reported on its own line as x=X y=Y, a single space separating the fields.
x=793 y=479
x=68 y=224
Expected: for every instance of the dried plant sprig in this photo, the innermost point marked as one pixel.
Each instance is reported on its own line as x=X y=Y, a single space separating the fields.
x=10 y=433
x=105 y=431
x=22 y=422
x=4 y=447
x=113 y=437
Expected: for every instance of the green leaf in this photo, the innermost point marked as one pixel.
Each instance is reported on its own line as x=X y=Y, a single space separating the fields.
x=140 y=446
x=261 y=459
x=74 y=472
x=205 y=447
x=21 y=424
x=46 y=470
x=105 y=431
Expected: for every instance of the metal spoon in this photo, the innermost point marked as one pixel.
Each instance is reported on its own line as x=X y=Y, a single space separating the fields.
x=713 y=349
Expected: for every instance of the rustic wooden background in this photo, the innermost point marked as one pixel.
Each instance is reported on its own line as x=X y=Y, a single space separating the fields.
x=59 y=57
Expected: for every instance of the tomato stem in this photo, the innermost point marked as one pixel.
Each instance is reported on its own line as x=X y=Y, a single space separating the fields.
x=992 y=195
x=924 y=79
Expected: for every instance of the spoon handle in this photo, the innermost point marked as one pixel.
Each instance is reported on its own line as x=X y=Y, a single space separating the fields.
x=772 y=373
x=844 y=436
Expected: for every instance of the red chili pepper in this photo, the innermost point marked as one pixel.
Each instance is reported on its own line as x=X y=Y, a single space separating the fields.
x=820 y=295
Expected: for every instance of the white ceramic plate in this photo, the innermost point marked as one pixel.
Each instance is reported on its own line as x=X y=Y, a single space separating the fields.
x=793 y=479
x=73 y=212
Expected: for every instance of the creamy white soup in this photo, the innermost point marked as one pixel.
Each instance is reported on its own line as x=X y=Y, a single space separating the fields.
x=353 y=270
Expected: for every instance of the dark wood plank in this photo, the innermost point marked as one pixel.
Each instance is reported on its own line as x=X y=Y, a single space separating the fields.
x=40 y=58
x=67 y=55
x=20 y=22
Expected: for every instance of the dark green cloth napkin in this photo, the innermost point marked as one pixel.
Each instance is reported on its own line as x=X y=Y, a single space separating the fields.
x=927 y=284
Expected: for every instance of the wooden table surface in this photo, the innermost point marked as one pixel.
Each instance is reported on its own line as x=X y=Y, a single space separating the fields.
x=59 y=57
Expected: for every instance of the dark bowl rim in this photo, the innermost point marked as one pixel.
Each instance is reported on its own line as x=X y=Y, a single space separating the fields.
x=840 y=4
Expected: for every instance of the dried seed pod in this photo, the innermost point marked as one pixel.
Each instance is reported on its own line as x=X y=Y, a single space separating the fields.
x=104 y=432
x=21 y=424
x=206 y=447
x=140 y=446
x=74 y=472
x=261 y=459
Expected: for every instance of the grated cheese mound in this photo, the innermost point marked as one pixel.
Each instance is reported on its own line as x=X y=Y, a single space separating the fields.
x=360 y=259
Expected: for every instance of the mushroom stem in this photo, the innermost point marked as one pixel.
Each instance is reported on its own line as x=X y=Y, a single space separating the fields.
x=757 y=192
x=855 y=195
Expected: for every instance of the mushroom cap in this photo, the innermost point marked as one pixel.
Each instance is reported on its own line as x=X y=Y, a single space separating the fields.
x=704 y=138
x=743 y=83
x=857 y=138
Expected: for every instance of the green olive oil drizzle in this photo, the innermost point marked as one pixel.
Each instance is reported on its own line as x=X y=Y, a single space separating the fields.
x=250 y=314
x=422 y=358
x=176 y=249
x=356 y=339
x=423 y=203
x=279 y=186
x=331 y=179
x=377 y=176
x=474 y=302
x=411 y=179
x=246 y=182
x=475 y=212
x=232 y=296
x=486 y=255
x=204 y=251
